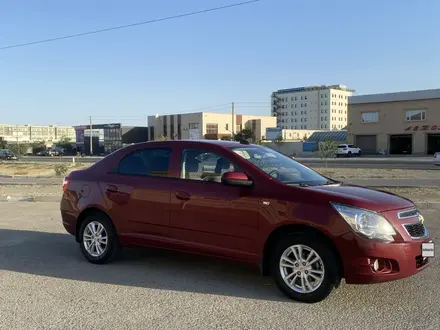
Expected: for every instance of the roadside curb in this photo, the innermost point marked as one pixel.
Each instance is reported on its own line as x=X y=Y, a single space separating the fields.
x=427 y=205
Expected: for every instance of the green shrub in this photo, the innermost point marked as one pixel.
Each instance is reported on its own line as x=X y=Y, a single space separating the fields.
x=61 y=170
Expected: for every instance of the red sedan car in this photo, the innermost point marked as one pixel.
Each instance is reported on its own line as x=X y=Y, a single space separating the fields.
x=248 y=203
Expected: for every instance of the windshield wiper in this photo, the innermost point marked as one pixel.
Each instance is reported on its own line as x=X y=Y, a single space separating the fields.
x=300 y=184
x=329 y=182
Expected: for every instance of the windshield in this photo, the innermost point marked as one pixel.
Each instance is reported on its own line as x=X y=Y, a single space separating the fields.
x=280 y=167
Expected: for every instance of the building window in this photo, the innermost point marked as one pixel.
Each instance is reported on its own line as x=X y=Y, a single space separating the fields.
x=301 y=112
x=322 y=95
x=212 y=129
x=415 y=115
x=193 y=125
x=291 y=98
x=305 y=97
x=295 y=105
x=305 y=104
x=370 y=117
x=296 y=98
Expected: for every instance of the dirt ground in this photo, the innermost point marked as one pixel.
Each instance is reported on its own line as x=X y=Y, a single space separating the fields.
x=34 y=169
x=48 y=169
x=54 y=191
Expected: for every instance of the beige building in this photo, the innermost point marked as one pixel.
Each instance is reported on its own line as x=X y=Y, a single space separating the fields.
x=206 y=125
x=311 y=108
x=31 y=133
x=396 y=123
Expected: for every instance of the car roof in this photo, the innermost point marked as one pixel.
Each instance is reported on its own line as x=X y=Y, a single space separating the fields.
x=223 y=143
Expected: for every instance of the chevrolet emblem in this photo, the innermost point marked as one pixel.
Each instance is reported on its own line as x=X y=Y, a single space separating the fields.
x=421 y=218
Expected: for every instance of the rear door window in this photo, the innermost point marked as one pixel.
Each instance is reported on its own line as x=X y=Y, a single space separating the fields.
x=147 y=162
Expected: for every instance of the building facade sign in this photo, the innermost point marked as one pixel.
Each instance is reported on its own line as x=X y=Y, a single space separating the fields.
x=423 y=128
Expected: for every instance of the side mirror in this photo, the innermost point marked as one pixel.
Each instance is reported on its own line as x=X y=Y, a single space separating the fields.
x=236 y=179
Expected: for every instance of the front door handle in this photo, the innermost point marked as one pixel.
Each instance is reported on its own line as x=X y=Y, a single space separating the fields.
x=183 y=195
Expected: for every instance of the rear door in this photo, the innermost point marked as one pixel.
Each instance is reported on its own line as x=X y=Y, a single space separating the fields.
x=138 y=194
x=209 y=216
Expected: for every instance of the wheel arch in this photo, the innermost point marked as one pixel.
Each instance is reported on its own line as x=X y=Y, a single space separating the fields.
x=92 y=210
x=288 y=229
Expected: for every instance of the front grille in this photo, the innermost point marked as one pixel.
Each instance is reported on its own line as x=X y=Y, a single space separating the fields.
x=408 y=214
x=416 y=230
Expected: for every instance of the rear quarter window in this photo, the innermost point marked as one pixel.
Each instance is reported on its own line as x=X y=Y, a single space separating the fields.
x=146 y=162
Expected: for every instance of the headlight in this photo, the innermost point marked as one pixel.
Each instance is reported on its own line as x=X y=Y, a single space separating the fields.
x=367 y=223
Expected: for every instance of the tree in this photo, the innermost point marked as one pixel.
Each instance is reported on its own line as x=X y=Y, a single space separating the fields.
x=38 y=146
x=327 y=149
x=3 y=144
x=247 y=133
x=18 y=149
x=65 y=143
x=163 y=138
x=226 y=138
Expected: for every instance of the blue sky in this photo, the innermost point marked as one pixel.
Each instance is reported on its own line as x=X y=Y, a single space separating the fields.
x=240 y=54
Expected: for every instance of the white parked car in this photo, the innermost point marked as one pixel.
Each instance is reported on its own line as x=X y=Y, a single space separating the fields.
x=437 y=158
x=348 y=150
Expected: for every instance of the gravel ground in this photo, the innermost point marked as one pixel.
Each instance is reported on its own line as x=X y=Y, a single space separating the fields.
x=45 y=283
x=34 y=169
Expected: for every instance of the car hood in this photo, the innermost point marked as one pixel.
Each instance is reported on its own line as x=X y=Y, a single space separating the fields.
x=371 y=199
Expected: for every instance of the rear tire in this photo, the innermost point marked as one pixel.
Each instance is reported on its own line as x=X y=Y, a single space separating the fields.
x=98 y=239
x=321 y=276
x=359 y=153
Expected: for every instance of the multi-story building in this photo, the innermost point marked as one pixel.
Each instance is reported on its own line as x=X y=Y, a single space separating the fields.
x=32 y=133
x=395 y=123
x=207 y=125
x=311 y=108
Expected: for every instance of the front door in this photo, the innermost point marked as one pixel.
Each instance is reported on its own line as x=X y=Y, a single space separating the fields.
x=138 y=195
x=209 y=216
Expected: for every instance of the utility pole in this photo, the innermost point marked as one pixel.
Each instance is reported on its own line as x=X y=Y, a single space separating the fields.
x=91 y=139
x=233 y=119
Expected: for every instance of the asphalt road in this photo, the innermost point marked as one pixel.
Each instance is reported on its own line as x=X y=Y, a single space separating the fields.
x=420 y=163
x=46 y=283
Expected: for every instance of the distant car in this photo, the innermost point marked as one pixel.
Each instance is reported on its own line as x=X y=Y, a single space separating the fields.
x=247 y=203
x=8 y=156
x=348 y=150
x=437 y=158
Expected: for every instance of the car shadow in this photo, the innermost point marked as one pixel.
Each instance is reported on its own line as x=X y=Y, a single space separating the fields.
x=58 y=255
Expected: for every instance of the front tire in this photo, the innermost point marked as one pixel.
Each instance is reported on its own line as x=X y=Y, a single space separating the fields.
x=304 y=268
x=98 y=239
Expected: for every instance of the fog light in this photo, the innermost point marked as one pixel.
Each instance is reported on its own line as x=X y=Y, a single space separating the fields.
x=376 y=265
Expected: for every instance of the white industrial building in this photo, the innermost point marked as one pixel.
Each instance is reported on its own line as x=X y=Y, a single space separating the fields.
x=311 y=108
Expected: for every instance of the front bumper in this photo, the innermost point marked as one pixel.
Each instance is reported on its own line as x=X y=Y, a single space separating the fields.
x=403 y=259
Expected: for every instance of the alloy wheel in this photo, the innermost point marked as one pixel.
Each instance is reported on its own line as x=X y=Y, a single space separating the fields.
x=301 y=268
x=95 y=239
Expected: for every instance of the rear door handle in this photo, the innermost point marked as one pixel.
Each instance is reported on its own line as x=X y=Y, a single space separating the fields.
x=183 y=195
x=112 y=188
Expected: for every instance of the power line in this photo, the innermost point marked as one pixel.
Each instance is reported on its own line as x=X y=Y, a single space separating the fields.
x=131 y=25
